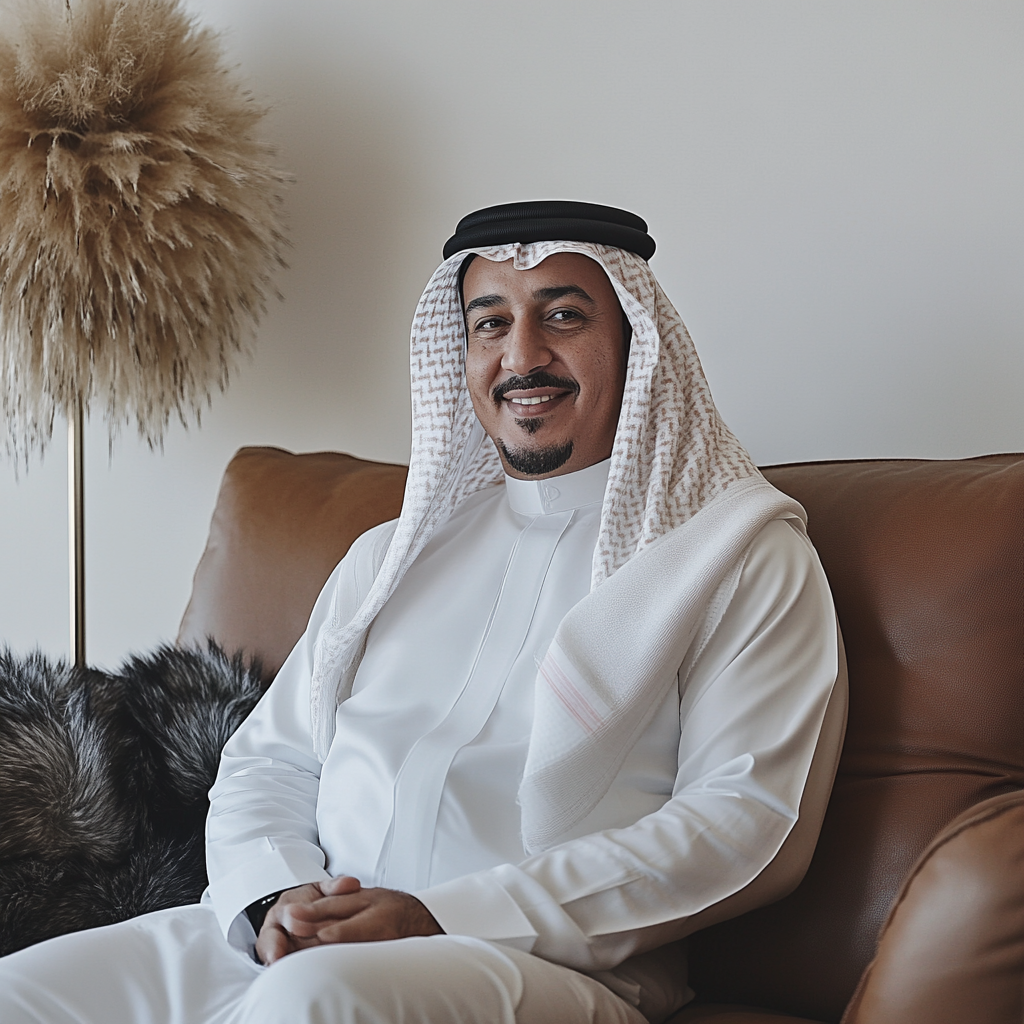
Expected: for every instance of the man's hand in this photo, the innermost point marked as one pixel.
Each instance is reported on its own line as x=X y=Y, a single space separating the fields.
x=340 y=910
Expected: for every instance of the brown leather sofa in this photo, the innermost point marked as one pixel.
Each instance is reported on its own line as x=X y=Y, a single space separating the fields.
x=912 y=911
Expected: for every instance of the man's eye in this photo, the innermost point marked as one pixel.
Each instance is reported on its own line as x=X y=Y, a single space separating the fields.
x=565 y=315
x=488 y=324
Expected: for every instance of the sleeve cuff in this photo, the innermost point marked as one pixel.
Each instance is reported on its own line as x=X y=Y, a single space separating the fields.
x=265 y=866
x=478 y=906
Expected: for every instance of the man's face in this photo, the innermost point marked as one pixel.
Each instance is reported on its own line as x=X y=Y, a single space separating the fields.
x=545 y=361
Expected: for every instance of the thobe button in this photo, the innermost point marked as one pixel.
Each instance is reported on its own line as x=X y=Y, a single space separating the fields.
x=550 y=494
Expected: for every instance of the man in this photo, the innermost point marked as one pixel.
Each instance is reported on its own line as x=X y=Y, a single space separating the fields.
x=583 y=697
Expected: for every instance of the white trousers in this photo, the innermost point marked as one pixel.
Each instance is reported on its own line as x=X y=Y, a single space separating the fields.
x=174 y=967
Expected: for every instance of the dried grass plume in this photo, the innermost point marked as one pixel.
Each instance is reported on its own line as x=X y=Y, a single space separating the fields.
x=139 y=216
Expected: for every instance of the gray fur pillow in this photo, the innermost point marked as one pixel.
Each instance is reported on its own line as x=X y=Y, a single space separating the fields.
x=103 y=784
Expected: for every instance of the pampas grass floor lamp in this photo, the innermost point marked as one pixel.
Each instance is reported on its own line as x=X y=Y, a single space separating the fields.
x=139 y=227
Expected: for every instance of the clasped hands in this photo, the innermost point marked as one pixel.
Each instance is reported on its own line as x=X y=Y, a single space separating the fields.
x=340 y=910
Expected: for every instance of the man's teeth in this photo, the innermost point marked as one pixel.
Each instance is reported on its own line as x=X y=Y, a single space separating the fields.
x=533 y=401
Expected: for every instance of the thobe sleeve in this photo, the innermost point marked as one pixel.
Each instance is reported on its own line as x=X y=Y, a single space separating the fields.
x=261 y=831
x=766 y=693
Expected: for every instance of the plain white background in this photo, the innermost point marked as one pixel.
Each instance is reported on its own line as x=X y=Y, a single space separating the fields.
x=835 y=187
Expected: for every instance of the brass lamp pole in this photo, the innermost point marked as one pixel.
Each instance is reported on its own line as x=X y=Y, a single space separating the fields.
x=76 y=531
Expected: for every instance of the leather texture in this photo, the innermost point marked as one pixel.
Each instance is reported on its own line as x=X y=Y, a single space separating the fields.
x=952 y=949
x=281 y=524
x=926 y=562
x=719 y=1014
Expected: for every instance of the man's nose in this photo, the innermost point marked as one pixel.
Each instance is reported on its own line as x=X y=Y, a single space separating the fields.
x=526 y=349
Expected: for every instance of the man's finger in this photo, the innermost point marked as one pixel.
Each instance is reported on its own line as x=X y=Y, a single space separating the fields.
x=341 y=885
x=273 y=943
x=287 y=943
x=300 y=894
x=364 y=928
x=328 y=906
x=386 y=914
x=298 y=917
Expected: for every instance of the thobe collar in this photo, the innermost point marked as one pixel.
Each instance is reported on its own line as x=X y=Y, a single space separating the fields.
x=558 y=493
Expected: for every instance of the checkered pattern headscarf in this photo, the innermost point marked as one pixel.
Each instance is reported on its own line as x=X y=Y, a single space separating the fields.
x=672 y=453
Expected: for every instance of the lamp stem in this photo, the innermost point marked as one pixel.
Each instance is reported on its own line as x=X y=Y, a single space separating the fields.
x=76 y=530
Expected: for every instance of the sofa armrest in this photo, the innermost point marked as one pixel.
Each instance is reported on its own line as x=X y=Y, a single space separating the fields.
x=952 y=949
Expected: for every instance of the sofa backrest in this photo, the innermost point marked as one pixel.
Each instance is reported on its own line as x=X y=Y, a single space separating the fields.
x=926 y=561
x=281 y=524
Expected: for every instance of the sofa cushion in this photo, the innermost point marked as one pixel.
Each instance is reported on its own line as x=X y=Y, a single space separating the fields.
x=926 y=562
x=281 y=524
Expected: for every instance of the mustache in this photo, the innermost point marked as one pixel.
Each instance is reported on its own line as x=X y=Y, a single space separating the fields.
x=540 y=379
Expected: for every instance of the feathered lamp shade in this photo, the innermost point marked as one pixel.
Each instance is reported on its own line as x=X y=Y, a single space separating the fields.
x=139 y=218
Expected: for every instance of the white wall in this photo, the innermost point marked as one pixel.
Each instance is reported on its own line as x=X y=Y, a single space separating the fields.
x=835 y=188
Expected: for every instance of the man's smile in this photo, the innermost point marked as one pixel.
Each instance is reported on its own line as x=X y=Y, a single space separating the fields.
x=536 y=402
x=535 y=395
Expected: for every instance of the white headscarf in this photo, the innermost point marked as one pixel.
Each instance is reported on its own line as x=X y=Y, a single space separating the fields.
x=673 y=462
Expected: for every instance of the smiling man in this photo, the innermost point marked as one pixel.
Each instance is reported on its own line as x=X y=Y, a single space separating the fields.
x=585 y=696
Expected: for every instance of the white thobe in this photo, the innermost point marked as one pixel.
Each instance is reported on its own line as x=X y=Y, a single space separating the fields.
x=418 y=791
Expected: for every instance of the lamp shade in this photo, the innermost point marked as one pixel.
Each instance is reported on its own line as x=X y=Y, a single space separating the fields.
x=140 y=216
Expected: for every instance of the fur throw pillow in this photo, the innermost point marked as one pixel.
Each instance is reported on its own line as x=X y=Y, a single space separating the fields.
x=103 y=785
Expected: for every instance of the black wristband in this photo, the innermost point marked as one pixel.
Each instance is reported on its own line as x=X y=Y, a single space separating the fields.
x=257 y=911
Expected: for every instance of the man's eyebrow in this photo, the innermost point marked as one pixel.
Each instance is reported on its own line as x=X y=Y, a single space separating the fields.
x=540 y=295
x=549 y=294
x=485 y=302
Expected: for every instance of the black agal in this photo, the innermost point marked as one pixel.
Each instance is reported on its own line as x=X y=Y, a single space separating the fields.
x=549 y=220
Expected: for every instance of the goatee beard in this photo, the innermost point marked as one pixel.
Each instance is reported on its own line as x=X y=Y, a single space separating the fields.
x=536 y=461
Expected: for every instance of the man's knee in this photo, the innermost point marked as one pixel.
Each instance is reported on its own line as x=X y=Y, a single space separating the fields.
x=293 y=989
x=409 y=980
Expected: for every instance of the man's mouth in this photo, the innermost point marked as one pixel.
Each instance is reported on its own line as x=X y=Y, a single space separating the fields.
x=521 y=405
x=530 y=396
